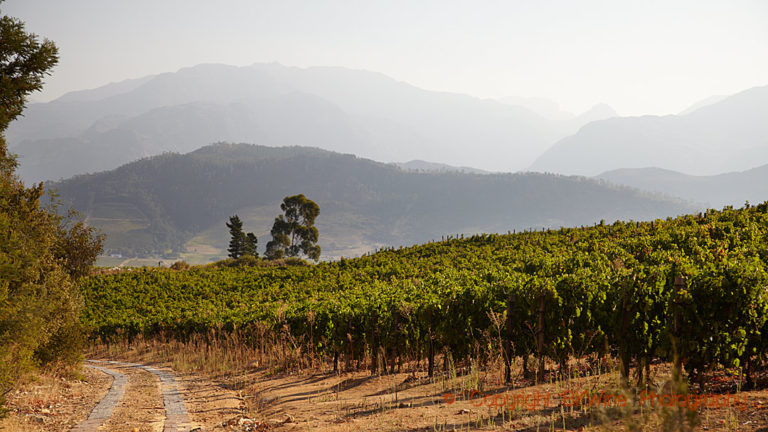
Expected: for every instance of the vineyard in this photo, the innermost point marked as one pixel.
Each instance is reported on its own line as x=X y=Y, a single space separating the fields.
x=692 y=290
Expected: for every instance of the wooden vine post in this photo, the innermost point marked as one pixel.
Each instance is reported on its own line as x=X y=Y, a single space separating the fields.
x=311 y=322
x=677 y=360
x=375 y=346
x=508 y=340
x=430 y=346
x=624 y=355
x=540 y=342
x=395 y=350
x=348 y=355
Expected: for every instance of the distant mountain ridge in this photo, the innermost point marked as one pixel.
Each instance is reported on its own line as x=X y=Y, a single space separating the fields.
x=728 y=135
x=178 y=203
x=550 y=110
x=420 y=165
x=717 y=191
x=374 y=116
x=702 y=103
x=360 y=112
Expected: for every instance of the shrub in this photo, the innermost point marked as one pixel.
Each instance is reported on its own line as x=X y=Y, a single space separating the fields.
x=180 y=265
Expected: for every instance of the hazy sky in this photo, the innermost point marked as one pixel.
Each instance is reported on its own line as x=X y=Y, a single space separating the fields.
x=640 y=57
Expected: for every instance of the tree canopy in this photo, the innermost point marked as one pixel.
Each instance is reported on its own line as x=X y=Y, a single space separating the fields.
x=24 y=62
x=42 y=254
x=294 y=232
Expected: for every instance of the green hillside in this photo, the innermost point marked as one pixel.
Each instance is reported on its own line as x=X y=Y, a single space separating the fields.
x=177 y=204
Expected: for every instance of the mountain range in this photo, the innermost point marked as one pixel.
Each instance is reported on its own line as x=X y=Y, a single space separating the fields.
x=371 y=115
x=717 y=191
x=730 y=134
x=157 y=186
x=179 y=203
x=349 y=111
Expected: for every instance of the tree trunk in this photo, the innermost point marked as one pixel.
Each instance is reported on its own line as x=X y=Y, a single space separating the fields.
x=526 y=372
x=750 y=384
x=625 y=359
x=648 y=370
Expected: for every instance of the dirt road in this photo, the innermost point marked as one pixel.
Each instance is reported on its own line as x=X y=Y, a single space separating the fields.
x=127 y=397
x=143 y=409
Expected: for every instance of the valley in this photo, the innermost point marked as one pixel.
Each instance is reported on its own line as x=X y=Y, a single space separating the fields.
x=383 y=216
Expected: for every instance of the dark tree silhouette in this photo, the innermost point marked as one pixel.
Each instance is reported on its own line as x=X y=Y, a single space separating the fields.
x=240 y=243
x=294 y=232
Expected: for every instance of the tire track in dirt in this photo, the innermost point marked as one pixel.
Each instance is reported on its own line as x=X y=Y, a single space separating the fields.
x=141 y=409
x=103 y=410
x=176 y=416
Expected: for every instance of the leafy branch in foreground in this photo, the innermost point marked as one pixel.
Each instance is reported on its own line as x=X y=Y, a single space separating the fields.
x=42 y=255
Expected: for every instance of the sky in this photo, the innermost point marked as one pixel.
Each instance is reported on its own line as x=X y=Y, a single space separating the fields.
x=640 y=57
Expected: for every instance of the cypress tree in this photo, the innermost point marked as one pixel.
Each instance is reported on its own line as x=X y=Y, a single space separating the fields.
x=250 y=245
x=237 y=237
x=240 y=243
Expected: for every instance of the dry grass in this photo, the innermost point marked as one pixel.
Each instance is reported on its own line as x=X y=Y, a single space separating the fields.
x=216 y=353
x=278 y=382
x=54 y=401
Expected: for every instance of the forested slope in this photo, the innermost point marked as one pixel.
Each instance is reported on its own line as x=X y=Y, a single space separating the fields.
x=157 y=204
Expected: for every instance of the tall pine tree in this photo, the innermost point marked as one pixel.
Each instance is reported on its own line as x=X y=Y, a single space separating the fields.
x=240 y=243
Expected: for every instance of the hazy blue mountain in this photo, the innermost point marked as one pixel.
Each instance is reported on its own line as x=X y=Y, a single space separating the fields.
x=597 y=112
x=175 y=202
x=716 y=191
x=730 y=135
x=566 y=123
x=702 y=103
x=338 y=109
x=544 y=107
x=105 y=91
x=289 y=119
